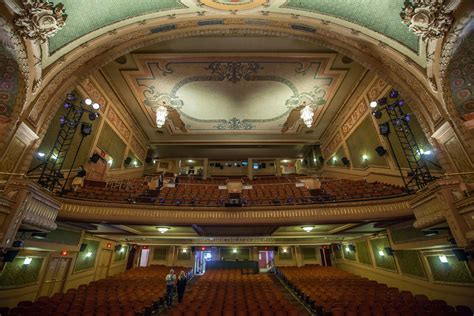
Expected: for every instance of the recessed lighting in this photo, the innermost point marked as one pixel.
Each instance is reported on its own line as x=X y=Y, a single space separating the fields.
x=373 y=104
x=27 y=261
x=162 y=229
x=307 y=228
x=443 y=259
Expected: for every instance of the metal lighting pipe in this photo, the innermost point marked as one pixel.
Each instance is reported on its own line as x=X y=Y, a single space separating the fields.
x=73 y=161
x=396 y=161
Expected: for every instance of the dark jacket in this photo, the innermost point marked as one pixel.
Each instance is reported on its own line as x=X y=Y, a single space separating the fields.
x=181 y=283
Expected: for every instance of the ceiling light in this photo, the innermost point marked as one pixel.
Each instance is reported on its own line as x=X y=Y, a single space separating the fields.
x=184 y=250
x=190 y=161
x=285 y=250
x=334 y=158
x=307 y=229
x=27 y=261
x=373 y=104
x=306 y=115
x=161 y=114
x=88 y=101
x=381 y=253
x=234 y=250
x=162 y=229
x=443 y=259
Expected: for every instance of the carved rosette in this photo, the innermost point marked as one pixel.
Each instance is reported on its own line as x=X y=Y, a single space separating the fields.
x=429 y=19
x=40 y=19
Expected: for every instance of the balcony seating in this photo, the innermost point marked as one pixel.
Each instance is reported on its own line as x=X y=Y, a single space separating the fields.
x=229 y=292
x=134 y=292
x=328 y=289
x=194 y=192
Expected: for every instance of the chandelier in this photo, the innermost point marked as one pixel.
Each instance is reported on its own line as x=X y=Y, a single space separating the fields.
x=307 y=115
x=161 y=114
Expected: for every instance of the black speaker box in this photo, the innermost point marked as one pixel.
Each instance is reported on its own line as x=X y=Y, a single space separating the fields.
x=118 y=247
x=275 y=249
x=345 y=161
x=86 y=129
x=17 y=243
x=10 y=255
x=94 y=158
x=460 y=254
x=127 y=161
x=352 y=248
x=83 y=247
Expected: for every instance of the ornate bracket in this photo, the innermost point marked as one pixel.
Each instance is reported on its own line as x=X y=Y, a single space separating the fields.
x=40 y=19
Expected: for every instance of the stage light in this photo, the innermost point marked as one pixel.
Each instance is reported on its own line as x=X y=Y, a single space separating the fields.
x=443 y=258
x=40 y=154
x=397 y=122
x=96 y=106
x=86 y=129
x=384 y=129
x=93 y=116
x=382 y=101
x=401 y=102
x=377 y=114
x=394 y=94
x=407 y=117
x=62 y=120
x=71 y=97
x=373 y=104
x=380 y=150
x=381 y=253
x=27 y=261
x=88 y=101
x=67 y=105
x=54 y=156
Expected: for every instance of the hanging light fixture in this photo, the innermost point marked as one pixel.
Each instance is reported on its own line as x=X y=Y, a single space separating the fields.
x=307 y=115
x=161 y=114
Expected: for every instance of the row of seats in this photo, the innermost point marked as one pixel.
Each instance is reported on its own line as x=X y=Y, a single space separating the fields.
x=229 y=292
x=139 y=291
x=330 y=290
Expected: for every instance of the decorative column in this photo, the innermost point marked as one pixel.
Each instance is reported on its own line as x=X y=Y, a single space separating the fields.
x=204 y=170
x=278 y=167
x=250 y=168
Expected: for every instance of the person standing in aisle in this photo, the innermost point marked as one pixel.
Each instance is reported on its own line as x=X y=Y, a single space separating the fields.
x=181 y=285
x=170 y=280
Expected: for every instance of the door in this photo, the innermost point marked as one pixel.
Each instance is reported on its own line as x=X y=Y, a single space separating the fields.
x=144 y=257
x=103 y=264
x=55 y=276
x=325 y=256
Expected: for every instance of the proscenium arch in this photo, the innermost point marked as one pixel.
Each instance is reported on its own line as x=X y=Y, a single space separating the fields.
x=64 y=76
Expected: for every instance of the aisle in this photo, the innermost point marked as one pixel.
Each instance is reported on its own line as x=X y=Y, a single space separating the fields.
x=289 y=296
x=167 y=311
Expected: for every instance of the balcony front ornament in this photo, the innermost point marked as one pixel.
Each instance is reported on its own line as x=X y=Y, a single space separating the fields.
x=429 y=19
x=40 y=19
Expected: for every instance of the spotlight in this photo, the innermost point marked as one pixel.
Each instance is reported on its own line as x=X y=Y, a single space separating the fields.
x=40 y=154
x=86 y=129
x=88 y=101
x=394 y=94
x=382 y=101
x=321 y=159
x=397 y=122
x=71 y=97
x=380 y=150
x=93 y=116
x=407 y=117
x=373 y=104
x=62 y=120
x=96 y=106
x=384 y=129
x=377 y=114
x=67 y=105
x=401 y=102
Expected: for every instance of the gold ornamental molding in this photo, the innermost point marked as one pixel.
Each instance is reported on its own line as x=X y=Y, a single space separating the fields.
x=80 y=210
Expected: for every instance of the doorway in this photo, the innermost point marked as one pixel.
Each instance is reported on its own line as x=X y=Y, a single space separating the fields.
x=265 y=260
x=102 y=270
x=55 y=276
x=325 y=257
x=144 y=257
x=201 y=257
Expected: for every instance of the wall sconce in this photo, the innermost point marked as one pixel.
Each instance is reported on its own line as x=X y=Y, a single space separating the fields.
x=285 y=250
x=365 y=157
x=381 y=253
x=184 y=250
x=443 y=259
x=234 y=250
x=88 y=254
x=348 y=248
x=27 y=261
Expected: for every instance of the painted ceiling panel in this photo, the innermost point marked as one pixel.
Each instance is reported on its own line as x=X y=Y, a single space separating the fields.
x=382 y=16
x=85 y=16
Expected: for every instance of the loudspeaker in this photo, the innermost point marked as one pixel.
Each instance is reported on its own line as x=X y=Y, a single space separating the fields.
x=86 y=129
x=94 y=158
x=384 y=129
x=321 y=159
x=127 y=161
x=380 y=150
x=388 y=251
x=461 y=254
x=83 y=247
x=345 y=161
x=149 y=160
x=352 y=248
x=10 y=255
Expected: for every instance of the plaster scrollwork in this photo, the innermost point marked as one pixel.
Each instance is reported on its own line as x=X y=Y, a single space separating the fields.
x=40 y=19
x=429 y=19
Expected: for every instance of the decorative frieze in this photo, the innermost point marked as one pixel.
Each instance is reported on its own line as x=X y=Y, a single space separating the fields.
x=118 y=123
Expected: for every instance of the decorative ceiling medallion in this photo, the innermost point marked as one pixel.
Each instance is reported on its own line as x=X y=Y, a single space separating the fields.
x=231 y=5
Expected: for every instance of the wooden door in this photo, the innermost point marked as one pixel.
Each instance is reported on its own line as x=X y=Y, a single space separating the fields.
x=103 y=264
x=55 y=276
